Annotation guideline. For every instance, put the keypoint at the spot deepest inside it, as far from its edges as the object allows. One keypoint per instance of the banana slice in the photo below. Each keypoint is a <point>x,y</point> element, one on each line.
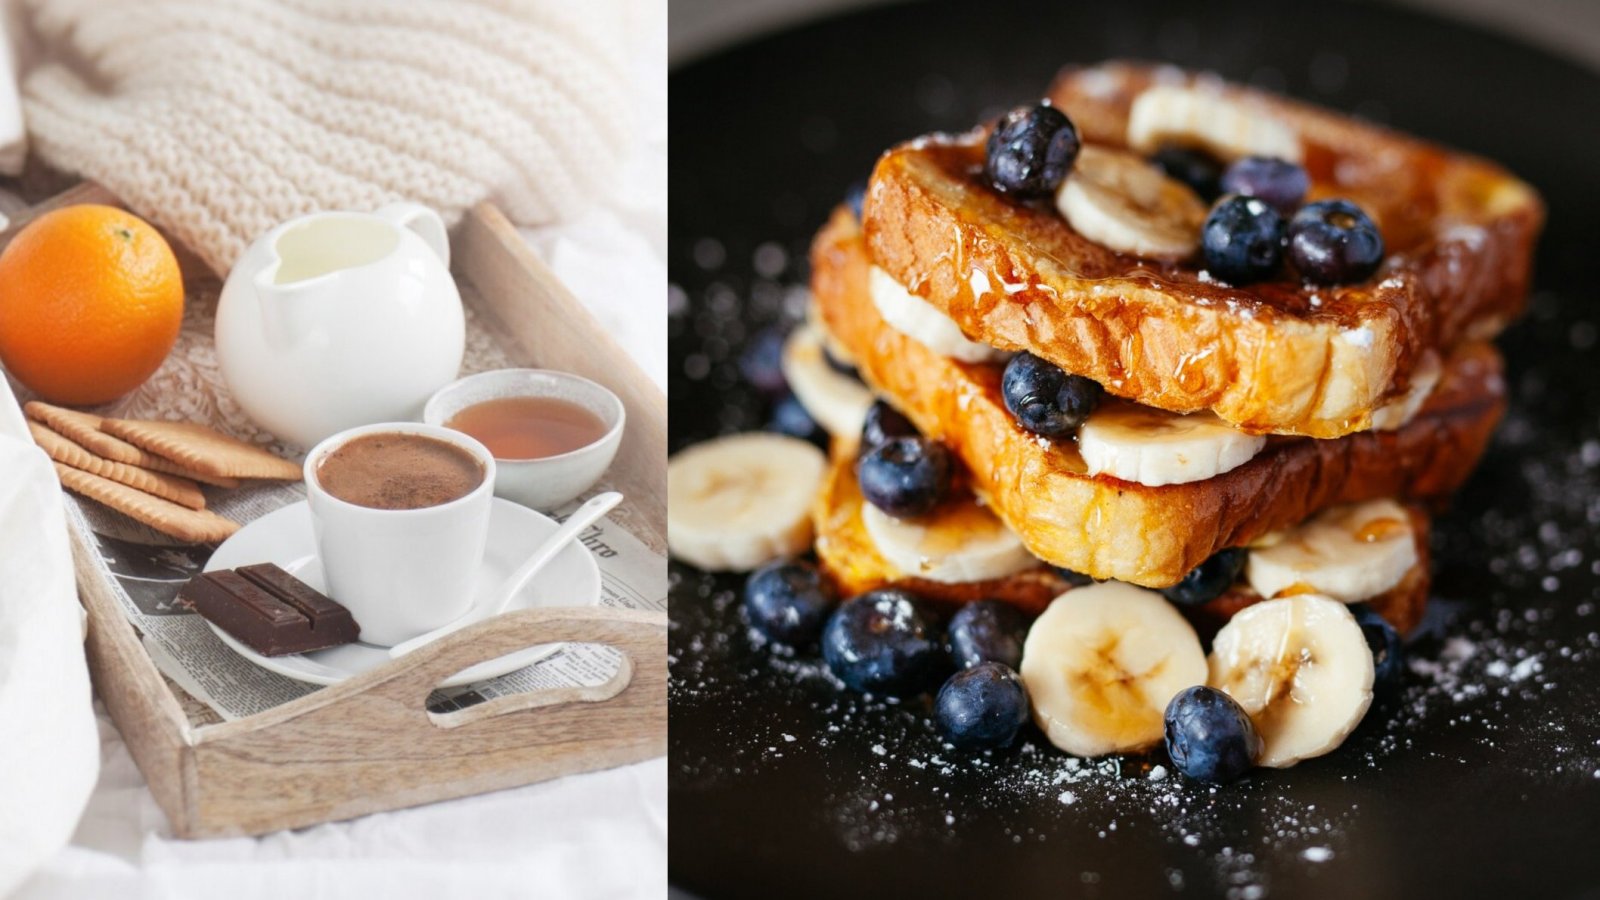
<point>736,502</point>
<point>1121,202</point>
<point>919,320</point>
<point>957,543</point>
<point>1227,128</point>
<point>1350,553</point>
<point>1302,670</point>
<point>838,402</point>
<point>1102,663</point>
<point>1155,447</point>
<point>1424,378</point>
<point>830,343</point>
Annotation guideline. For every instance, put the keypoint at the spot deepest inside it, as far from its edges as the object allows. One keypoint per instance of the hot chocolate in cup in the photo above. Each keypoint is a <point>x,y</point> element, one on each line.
<point>401,514</point>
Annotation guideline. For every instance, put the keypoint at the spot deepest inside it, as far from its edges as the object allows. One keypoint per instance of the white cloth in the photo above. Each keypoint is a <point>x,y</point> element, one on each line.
<point>47,745</point>
<point>603,834</point>
<point>614,256</point>
<point>599,835</point>
<point>219,120</point>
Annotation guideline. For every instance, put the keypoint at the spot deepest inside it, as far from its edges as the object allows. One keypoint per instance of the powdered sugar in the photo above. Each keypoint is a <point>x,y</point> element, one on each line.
<point>1499,681</point>
<point>1475,671</point>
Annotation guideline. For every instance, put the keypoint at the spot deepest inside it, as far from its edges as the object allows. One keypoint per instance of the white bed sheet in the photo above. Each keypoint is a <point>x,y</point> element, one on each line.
<point>602,834</point>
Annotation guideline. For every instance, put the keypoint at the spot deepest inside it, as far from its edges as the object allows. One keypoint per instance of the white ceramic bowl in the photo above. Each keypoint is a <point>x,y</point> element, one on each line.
<point>543,484</point>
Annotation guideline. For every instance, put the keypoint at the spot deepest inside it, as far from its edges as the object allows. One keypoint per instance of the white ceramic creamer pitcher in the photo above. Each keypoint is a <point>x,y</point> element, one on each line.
<point>339,319</point>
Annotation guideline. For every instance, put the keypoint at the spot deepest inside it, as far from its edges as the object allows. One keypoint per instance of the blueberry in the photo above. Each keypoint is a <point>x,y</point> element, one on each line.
<point>790,417</point>
<point>987,631</point>
<point>981,707</point>
<point>1441,618</point>
<point>839,365</point>
<point>1207,581</point>
<point>1281,183</point>
<point>905,477</point>
<point>1030,151</point>
<point>1196,168</point>
<point>762,362</point>
<point>855,197</point>
<point>1334,242</point>
<point>1209,736</point>
<point>1044,399</point>
<point>1075,579</point>
<point>788,602</point>
<point>1242,239</point>
<point>1388,656</point>
<point>883,642</point>
<point>882,423</point>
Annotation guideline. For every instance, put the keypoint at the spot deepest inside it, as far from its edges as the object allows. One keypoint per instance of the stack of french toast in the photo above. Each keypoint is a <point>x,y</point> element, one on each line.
<point>1170,364</point>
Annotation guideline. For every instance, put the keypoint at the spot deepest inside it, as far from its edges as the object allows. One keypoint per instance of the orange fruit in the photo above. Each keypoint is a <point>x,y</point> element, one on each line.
<point>91,301</point>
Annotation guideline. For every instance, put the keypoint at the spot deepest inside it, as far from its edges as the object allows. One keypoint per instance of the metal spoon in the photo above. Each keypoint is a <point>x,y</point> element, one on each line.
<point>492,604</point>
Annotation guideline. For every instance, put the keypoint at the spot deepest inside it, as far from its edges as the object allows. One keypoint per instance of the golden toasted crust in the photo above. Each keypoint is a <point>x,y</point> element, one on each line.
<point>1113,529</point>
<point>848,555</point>
<point>1275,357</point>
<point>1402,604</point>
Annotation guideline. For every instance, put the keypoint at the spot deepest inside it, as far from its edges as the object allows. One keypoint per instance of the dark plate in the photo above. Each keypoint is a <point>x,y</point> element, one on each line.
<point>1482,779</point>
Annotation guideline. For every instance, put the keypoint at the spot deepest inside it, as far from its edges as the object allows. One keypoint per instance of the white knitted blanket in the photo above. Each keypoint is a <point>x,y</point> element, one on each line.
<point>218,119</point>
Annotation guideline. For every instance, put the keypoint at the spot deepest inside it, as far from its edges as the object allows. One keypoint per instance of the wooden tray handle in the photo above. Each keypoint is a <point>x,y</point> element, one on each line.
<point>401,687</point>
<point>637,635</point>
<point>500,706</point>
<point>640,636</point>
<point>370,743</point>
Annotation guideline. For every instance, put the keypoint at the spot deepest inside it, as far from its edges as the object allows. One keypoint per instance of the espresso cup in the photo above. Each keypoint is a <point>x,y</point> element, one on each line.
<point>401,572</point>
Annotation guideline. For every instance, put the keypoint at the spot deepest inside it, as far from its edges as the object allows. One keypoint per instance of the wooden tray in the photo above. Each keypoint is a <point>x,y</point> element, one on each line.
<point>370,744</point>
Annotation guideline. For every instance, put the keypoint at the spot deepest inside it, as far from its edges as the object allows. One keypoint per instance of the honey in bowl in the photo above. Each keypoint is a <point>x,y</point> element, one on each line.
<point>515,428</point>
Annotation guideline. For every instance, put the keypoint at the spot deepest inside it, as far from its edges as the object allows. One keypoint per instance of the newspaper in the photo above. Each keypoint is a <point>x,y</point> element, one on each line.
<point>146,572</point>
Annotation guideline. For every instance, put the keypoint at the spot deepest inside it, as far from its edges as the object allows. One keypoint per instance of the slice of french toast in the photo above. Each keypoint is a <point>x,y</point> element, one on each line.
<point>1111,529</point>
<point>847,553</point>
<point>1280,356</point>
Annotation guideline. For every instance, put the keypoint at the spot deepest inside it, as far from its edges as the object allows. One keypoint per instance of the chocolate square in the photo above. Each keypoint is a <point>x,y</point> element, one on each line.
<point>269,610</point>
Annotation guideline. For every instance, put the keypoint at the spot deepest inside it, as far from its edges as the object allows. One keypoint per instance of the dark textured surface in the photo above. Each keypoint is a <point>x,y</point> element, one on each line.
<point>1481,779</point>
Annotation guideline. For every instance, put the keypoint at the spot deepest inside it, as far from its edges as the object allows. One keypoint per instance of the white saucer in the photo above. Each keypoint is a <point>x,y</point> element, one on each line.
<point>285,537</point>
